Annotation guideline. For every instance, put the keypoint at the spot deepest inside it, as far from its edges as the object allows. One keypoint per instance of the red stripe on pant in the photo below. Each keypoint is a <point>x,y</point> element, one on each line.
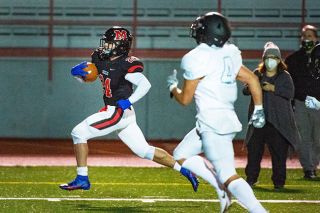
<point>113,120</point>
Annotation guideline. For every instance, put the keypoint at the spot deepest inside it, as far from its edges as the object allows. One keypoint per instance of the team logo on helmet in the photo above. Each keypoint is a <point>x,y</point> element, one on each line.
<point>121,39</point>
<point>120,35</point>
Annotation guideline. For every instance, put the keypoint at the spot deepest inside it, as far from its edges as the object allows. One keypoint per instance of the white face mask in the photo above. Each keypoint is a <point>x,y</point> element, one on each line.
<point>271,63</point>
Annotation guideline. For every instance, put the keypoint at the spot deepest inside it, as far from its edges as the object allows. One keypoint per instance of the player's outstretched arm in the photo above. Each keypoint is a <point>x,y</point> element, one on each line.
<point>185,95</point>
<point>249,78</point>
<point>246,76</point>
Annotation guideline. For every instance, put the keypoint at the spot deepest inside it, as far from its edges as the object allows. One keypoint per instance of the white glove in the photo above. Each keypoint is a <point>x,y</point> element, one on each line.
<point>172,81</point>
<point>257,118</point>
<point>312,103</point>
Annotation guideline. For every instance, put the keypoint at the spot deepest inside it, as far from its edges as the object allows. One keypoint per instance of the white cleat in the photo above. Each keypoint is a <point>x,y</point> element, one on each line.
<point>225,202</point>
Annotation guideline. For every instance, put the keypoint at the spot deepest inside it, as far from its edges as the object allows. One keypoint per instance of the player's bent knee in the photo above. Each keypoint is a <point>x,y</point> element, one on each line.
<point>146,152</point>
<point>225,169</point>
<point>149,154</point>
<point>230,179</point>
<point>176,155</point>
<point>76,137</point>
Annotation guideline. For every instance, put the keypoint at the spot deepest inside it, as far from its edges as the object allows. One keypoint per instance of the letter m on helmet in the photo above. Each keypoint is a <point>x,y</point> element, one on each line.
<point>120,35</point>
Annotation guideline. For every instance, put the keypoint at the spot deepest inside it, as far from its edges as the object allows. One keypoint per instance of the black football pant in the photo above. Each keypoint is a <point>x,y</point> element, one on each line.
<point>278,148</point>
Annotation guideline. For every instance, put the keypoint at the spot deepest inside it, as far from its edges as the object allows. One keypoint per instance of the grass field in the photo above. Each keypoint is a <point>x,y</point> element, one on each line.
<point>118,189</point>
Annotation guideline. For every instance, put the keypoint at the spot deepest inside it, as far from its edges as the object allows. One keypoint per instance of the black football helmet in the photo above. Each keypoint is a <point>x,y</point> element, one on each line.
<point>211,28</point>
<point>119,36</point>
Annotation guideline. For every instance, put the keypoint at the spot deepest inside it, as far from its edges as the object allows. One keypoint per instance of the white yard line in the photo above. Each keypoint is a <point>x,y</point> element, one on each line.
<point>288,186</point>
<point>149,200</point>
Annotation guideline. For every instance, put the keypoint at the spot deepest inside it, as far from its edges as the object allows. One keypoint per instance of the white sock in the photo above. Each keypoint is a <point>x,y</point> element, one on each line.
<point>244,193</point>
<point>83,171</point>
<point>197,165</point>
<point>177,167</point>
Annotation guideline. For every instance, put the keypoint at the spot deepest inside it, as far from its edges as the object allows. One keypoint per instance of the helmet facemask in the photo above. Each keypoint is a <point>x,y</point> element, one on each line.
<point>115,42</point>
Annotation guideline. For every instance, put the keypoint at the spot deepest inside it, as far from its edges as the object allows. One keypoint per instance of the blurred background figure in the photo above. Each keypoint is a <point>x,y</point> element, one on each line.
<point>280,131</point>
<point>306,80</point>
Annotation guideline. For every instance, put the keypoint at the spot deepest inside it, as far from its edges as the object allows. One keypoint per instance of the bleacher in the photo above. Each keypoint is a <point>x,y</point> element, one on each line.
<point>161,24</point>
<point>41,99</point>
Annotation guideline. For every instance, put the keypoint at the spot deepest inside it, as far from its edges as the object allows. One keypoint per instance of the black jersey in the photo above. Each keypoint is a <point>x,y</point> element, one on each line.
<point>112,76</point>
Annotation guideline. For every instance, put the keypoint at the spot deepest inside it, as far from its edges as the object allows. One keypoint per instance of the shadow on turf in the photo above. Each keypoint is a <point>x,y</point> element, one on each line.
<point>94,208</point>
<point>118,209</point>
<point>283,190</point>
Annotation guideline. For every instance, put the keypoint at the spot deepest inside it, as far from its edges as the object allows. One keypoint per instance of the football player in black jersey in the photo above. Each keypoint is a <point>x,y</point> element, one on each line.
<point>118,73</point>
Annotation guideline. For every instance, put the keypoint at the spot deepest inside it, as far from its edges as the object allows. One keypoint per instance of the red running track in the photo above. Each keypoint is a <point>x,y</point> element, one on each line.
<point>39,152</point>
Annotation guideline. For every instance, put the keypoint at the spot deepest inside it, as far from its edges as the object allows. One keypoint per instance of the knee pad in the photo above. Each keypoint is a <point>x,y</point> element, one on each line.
<point>180,155</point>
<point>149,154</point>
<point>146,152</point>
<point>76,137</point>
<point>177,155</point>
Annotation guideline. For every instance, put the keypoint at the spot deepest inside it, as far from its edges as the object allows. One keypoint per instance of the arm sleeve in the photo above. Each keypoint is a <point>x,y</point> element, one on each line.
<point>193,68</point>
<point>142,85</point>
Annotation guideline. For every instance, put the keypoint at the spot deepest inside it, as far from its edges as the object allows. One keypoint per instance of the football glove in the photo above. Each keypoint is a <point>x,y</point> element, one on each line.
<point>172,81</point>
<point>257,118</point>
<point>124,104</point>
<point>312,103</point>
<point>78,70</point>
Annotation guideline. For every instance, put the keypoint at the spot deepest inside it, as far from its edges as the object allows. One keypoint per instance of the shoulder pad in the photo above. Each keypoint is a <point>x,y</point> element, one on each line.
<point>95,56</point>
<point>133,64</point>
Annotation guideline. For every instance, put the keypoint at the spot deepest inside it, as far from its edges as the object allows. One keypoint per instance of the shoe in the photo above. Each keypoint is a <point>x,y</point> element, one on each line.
<point>81,182</point>
<point>225,202</point>
<point>191,177</point>
<point>251,183</point>
<point>278,187</point>
<point>309,175</point>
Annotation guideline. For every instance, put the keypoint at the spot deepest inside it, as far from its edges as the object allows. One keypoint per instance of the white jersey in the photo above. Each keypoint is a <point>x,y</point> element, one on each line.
<point>217,90</point>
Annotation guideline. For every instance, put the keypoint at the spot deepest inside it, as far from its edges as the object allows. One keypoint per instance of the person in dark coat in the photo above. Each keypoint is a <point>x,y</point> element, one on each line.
<point>306,79</point>
<point>280,132</point>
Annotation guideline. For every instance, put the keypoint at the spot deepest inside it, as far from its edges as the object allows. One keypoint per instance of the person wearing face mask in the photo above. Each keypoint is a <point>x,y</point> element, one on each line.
<point>280,133</point>
<point>306,79</point>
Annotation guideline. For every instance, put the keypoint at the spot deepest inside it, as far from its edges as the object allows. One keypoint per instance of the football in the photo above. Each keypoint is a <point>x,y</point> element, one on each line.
<point>92,71</point>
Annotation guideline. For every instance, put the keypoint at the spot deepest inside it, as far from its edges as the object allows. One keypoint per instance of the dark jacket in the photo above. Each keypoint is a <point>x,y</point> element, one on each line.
<point>277,106</point>
<point>306,79</point>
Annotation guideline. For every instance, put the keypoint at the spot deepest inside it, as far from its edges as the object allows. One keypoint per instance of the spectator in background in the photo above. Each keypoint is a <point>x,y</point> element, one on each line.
<point>306,80</point>
<point>280,131</point>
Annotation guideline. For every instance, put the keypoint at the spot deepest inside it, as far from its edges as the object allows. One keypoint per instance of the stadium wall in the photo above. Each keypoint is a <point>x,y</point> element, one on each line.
<point>39,98</point>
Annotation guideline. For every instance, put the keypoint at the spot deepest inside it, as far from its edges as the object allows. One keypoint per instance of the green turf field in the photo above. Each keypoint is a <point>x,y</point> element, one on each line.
<point>118,189</point>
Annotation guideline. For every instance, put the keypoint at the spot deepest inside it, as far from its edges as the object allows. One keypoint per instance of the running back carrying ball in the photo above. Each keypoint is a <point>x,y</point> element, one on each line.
<point>92,71</point>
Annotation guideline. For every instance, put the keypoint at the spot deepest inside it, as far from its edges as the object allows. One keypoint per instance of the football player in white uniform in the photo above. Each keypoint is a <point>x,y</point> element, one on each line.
<point>210,73</point>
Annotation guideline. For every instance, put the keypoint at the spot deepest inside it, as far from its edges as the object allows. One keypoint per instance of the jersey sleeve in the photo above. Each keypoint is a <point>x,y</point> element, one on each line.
<point>193,67</point>
<point>95,57</point>
<point>133,65</point>
<point>237,58</point>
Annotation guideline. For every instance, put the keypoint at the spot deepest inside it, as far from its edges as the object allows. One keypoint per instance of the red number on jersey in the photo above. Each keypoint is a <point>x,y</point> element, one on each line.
<point>107,87</point>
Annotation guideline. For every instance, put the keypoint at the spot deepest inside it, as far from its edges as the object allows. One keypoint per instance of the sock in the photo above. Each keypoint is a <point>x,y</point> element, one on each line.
<point>197,165</point>
<point>177,167</point>
<point>83,171</point>
<point>244,193</point>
